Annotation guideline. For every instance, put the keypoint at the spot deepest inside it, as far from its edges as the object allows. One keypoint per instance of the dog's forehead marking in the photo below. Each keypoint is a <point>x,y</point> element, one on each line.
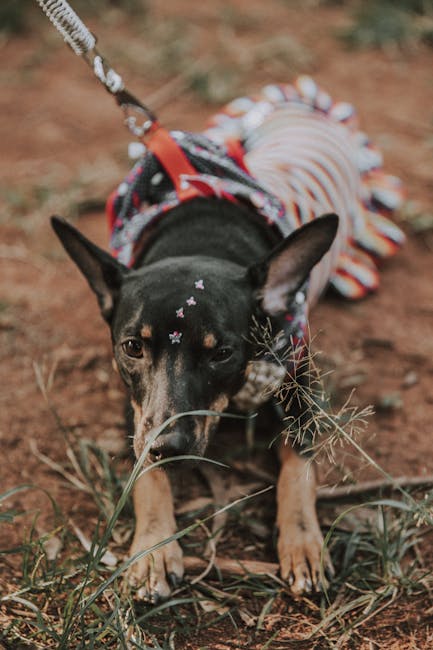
<point>209,341</point>
<point>146,331</point>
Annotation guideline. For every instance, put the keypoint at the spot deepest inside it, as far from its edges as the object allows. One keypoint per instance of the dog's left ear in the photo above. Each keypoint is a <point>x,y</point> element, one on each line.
<point>103,273</point>
<point>282,272</point>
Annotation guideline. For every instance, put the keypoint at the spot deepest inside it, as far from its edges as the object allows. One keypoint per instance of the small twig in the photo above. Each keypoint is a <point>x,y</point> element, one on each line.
<point>238,567</point>
<point>344,491</point>
<point>329,493</point>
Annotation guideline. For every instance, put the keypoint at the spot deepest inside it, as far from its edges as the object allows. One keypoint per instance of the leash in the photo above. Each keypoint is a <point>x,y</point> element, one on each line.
<point>138,118</point>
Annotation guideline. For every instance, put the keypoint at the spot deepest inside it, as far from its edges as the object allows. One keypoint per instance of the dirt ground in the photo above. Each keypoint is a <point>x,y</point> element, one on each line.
<point>62,142</point>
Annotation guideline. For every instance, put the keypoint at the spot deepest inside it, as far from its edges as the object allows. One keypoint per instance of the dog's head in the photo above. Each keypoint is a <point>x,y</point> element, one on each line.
<point>180,326</point>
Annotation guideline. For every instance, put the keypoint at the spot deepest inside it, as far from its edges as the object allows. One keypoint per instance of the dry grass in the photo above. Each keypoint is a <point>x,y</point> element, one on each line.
<point>64,588</point>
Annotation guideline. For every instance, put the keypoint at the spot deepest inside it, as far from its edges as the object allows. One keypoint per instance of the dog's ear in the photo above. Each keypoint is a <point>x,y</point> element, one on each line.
<point>103,273</point>
<point>282,272</point>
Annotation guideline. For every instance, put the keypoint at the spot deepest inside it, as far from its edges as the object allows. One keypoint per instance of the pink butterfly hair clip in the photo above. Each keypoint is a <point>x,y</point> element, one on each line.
<point>175,337</point>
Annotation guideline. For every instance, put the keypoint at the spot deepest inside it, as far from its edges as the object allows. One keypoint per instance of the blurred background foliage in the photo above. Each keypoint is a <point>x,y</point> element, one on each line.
<point>380,23</point>
<point>18,16</point>
<point>375,23</point>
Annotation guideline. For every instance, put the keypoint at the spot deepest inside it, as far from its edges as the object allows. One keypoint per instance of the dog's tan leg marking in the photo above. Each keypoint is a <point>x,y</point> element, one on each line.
<point>153,505</point>
<point>300,540</point>
<point>218,405</point>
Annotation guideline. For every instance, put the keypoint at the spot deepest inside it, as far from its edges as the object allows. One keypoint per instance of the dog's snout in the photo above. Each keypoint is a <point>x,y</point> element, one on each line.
<point>169,444</point>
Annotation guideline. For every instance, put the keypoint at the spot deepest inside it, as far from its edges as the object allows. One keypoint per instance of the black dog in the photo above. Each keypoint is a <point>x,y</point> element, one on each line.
<point>230,275</point>
<point>213,239</point>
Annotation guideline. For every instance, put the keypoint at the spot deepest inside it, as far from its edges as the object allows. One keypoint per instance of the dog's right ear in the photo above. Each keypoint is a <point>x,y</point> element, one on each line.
<point>103,273</point>
<point>281,273</point>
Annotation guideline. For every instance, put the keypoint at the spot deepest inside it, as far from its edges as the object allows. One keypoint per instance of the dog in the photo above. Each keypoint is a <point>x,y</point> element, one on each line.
<point>204,250</point>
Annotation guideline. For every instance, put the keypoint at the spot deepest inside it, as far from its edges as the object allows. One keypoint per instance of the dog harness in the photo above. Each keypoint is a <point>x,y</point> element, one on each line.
<point>311,159</point>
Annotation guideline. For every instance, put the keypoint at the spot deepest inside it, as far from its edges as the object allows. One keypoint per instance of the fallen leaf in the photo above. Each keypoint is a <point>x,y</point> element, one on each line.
<point>248,619</point>
<point>213,606</point>
<point>52,547</point>
<point>410,379</point>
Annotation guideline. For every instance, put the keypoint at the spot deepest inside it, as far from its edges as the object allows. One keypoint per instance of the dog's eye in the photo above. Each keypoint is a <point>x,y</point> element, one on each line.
<point>222,354</point>
<point>133,348</point>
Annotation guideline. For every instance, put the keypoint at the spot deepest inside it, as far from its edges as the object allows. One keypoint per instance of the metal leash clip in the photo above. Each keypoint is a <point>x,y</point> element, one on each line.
<point>132,121</point>
<point>134,111</point>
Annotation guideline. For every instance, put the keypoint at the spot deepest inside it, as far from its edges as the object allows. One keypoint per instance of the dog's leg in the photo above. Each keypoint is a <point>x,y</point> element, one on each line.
<point>300,540</point>
<point>153,505</point>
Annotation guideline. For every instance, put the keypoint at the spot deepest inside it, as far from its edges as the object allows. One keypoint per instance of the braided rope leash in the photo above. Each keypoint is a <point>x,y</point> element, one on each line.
<point>139,119</point>
<point>83,43</point>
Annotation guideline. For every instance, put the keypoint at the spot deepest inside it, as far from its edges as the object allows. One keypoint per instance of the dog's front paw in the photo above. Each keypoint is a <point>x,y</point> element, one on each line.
<point>300,556</point>
<point>155,574</point>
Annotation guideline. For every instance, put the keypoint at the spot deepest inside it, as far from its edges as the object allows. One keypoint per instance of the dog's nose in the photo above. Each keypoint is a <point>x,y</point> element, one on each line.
<point>170,444</point>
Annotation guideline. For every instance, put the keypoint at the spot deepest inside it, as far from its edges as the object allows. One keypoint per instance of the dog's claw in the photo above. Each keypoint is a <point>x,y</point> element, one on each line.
<point>153,595</point>
<point>144,595</point>
<point>155,573</point>
<point>319,583</point>
<point>301,562</point>
<point>308,583</point>
<point>302,582</point>
<point>173,580</point>
<point>329,569</point>
<point>155,598</point>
